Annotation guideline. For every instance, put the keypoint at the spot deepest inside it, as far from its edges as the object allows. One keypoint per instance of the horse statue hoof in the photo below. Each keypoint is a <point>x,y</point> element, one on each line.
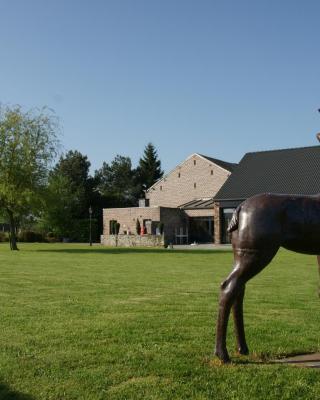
<point>223,357</point>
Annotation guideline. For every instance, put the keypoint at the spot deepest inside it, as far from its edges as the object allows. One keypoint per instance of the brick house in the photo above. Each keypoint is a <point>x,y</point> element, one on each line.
<point>291,171</point>
<point>182,200</point>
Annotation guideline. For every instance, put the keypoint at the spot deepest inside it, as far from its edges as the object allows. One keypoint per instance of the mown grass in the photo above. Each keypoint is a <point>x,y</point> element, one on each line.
<point>95,323</point>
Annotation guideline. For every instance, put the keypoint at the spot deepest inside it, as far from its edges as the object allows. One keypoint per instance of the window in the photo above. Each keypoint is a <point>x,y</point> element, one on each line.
<point>212,172</point>
<point>194,162</point>
<point>160,187</point>
<point>179,175</point>
<point>195,185</point>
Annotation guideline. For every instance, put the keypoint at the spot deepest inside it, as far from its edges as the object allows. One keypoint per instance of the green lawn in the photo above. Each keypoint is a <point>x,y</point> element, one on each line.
<point>95,323</point>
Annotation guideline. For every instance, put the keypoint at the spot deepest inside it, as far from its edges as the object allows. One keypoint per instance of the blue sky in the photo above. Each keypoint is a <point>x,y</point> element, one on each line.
<point>219,78</point>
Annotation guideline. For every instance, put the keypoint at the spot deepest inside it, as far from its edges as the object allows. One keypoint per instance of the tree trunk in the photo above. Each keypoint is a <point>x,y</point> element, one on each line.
<point>13,236</point>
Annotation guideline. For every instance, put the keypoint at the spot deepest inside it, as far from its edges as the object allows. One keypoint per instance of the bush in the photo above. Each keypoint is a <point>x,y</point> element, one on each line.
<point>112,227</point>
<point>30,237</point>
<point>161,227</point>
<point>138,227</point>
<point>4,237</point>
<point>51,237</point>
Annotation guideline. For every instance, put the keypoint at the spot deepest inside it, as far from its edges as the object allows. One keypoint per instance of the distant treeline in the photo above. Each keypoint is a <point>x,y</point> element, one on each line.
<point>72,191</point>
<point>39,202</point>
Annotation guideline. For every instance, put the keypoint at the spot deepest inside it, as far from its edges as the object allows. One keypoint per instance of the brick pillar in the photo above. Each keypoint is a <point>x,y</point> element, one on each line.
<point>217,223</point>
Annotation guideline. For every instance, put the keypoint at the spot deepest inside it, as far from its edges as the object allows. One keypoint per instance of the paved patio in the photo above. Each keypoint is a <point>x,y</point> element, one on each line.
<point>205,246</point>
<point>302,360</point>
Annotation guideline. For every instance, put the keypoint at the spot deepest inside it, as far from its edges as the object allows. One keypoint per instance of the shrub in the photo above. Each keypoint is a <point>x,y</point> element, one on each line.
<point>113,227</point>
<point>30,237</point>
<point>161,227</point>
<point>138,227</point>
<point>4,237</point>
<point>51,237</point>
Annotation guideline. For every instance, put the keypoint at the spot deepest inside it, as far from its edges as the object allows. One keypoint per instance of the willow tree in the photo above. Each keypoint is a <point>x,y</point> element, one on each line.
<point>28,145</point>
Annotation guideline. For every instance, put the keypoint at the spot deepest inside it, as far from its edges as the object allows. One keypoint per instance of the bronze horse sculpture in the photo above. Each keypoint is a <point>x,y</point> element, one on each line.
<point>259,227</point>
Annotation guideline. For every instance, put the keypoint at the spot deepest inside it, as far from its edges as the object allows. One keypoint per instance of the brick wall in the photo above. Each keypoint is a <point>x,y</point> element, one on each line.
<point>195,178</point>
<point>127,217</point>
<point>172,218</point>
<point>133,240</point>
<point>217,223</point>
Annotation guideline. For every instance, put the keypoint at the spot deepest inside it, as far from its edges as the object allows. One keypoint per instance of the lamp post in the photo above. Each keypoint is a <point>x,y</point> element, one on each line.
<point>90,229</point>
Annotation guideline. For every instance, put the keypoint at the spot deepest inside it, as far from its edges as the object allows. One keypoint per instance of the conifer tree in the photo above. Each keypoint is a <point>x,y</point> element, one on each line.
<point>149,168</point>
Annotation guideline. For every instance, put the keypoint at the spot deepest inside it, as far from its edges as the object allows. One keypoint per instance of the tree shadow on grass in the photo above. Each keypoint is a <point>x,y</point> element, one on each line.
<point>131,250</point>
<point>6,393</point>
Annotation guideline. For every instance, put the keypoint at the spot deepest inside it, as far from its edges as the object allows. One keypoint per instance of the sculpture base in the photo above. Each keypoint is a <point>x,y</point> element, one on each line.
<point>302,360</point>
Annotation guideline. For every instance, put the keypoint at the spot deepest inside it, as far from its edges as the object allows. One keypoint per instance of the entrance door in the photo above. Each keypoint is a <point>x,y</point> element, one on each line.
<point>201,229</point>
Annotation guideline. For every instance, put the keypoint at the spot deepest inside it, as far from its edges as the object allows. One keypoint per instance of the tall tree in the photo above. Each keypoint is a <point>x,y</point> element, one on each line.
<point>116,183</point>
<point>71,191</point>
<point>149,168</point>
<point>74,168</point>
<point>28,145</point>
<point>61,202</point>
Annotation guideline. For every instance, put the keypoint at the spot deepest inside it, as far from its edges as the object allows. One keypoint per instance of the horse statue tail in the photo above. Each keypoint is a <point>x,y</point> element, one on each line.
<point>233,225</point>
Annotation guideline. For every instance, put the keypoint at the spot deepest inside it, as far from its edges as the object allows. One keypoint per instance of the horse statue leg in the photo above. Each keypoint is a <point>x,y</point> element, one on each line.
<point>231,289</point>
<point>247,264</point>
<point>237,309</point>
